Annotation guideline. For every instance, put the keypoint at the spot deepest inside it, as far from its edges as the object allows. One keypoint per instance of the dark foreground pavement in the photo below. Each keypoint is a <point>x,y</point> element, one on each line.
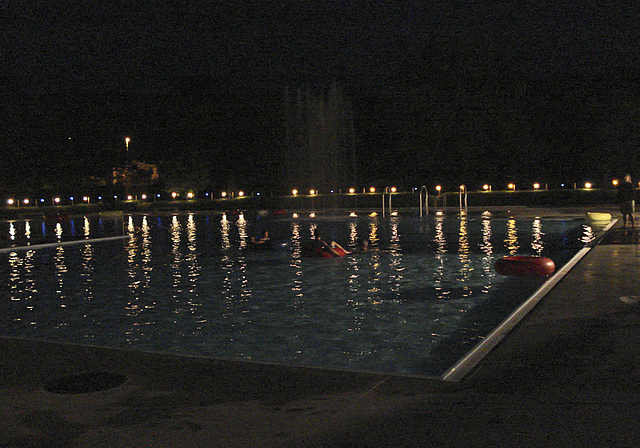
<point>567,375</point>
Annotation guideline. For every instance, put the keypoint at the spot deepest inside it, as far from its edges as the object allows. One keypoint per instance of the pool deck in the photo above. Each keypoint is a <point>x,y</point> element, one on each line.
<point>567,375</point>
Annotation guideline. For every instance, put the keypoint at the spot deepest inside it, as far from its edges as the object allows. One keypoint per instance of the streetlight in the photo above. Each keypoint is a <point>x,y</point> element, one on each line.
<point>126,143</point>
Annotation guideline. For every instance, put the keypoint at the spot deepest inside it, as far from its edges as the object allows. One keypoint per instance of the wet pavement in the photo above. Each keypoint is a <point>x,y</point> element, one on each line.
<point>566,375</point>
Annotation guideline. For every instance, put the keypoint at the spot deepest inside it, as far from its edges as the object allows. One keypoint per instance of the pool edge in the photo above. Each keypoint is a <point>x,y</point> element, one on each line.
<point>472,358</point>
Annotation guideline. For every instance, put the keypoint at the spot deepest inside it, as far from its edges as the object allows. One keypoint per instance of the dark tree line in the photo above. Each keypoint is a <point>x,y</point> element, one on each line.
<point>465,115</point>
<point>452,112</point>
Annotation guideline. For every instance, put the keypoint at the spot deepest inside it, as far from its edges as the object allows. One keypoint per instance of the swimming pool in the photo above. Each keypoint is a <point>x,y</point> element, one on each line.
<point>188,283</point>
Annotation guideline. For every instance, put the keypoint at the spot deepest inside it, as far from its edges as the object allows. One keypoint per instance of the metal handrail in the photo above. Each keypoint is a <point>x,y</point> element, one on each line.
<point>463,195</point>
<point>426,200</point>
<point>384,193</point>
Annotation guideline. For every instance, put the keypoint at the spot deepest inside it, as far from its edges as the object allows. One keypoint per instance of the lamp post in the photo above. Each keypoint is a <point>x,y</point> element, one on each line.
<point>126,143</point>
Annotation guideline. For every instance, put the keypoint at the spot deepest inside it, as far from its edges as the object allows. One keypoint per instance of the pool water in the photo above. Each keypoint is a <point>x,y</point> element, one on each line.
<point>423,296</point>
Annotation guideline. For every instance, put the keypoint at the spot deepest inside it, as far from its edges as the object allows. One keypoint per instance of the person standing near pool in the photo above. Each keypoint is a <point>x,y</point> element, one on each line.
<point>627,201</point>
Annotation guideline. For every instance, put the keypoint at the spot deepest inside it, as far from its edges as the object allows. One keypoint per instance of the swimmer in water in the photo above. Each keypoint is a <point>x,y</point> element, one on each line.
<point>261,240</point>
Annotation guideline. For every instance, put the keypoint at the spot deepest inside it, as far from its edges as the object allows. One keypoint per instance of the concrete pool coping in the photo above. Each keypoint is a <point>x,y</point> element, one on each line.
<point>566,374</point>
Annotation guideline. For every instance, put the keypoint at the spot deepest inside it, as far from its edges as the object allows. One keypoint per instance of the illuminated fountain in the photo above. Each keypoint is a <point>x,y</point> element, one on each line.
<point>320,141</point>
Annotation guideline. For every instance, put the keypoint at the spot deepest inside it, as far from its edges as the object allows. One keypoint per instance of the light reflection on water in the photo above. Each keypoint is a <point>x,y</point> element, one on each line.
<point>189,283</point>
<point>511,240</point>
<point>537,245</point>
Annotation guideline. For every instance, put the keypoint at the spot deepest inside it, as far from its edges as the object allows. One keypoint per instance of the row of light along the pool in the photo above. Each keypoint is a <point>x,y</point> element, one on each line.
<point>58,200</point>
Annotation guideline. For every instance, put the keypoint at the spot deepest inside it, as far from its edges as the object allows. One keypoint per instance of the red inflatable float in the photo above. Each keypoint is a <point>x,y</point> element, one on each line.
<point>323,252</point>
<point>525,266</point>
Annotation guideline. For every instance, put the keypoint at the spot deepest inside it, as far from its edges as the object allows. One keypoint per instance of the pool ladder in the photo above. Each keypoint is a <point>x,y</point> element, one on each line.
<point>424,200</point>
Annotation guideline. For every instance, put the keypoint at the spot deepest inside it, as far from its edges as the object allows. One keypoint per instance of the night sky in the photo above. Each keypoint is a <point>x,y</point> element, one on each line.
<point>133,49</point>
<point>124,44</point>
